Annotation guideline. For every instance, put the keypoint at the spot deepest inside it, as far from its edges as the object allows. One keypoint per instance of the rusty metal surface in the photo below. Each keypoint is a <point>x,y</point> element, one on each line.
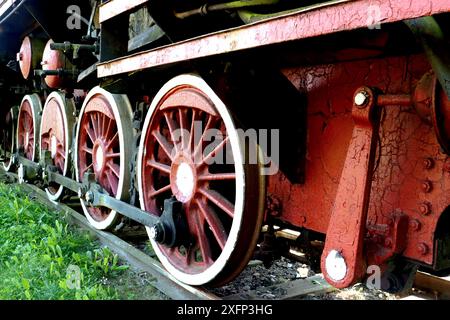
<point>113,8</point>
<point>340,17</point>
<point>410,176</point>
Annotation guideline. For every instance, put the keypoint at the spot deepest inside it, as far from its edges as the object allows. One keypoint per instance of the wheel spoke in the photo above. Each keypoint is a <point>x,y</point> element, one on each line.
<point>217,176</point>
<point>108,128</point>
<point>93,124</point>
<point>162,141</point>
<point>61,153</point>
<point>199,144</point>
<point>99,124</point>
<point>112,142</point>
<point>112,180</point>
<point>214,222</point>
<point>159,191</point>
<point>219,147</point>
<point>219,201</point>
<point>159,166</point>
<point>112,155</point>
<point>86,149</point>
<point>205,248</point>
<point>192,133</point>
<point>171,125</point>
<point>91,134</point>
<point>114,168</point>
<point>83,171</point>
<point>183,127</point>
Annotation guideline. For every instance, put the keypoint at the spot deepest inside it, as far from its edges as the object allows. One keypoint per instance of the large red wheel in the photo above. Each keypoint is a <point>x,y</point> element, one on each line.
<point>9,138</point>
<point>223,202</point>
<point>28,126</point>
<point>57,124</point>
<point>104,147</point>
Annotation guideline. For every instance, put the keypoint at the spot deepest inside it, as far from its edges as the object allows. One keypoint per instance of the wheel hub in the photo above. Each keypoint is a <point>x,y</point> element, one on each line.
<point>53,146</point>
<point>99,157</point>
<point>183,179</point>
<point>27,138</point>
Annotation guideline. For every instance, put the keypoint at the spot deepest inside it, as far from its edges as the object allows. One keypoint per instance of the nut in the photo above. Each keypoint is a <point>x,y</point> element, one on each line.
<point>361,98</point>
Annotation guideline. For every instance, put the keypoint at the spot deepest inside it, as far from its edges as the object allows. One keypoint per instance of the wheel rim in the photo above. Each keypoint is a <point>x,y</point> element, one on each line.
<point>214,196</point>
<point>104,139</point>
<point>28,120</point>
<point>9,138</point>
<point>55,136</point>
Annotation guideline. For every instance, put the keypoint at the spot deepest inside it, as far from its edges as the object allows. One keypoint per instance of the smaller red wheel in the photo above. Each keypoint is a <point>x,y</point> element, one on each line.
<point>9,138</point>
<point>57,125</point>
<point>104,147</point>
<point>28,126</point>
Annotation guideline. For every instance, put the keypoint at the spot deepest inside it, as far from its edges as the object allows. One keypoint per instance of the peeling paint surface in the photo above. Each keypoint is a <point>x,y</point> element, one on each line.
<point>405,141</point>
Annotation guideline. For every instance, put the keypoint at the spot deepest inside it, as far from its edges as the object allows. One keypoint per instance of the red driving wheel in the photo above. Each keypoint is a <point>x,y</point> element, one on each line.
<point>190,149</point>
<point>57,124</point>
<point>103,147</point>
<point>28,125</point>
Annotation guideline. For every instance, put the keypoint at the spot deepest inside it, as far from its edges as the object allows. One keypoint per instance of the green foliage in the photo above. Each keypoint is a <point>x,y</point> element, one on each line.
<point>37,250</point>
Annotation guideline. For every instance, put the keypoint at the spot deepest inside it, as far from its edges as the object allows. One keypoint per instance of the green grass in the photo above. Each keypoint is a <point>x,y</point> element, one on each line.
<point>38,250</point>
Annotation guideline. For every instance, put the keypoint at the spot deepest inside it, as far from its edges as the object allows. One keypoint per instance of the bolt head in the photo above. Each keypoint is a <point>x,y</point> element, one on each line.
<point>422,248</point>
<point>425,208</point>
<point>361,98</point>
<point>427,186</point>
<point>335,265</point>
<point>428,163</point>
<point>414,225</point>
<point>89,197</point>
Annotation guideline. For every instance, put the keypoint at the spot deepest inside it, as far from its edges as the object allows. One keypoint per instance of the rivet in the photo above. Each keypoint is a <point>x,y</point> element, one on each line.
<point>425,208</point>
<point>427,186</point>
<point>414,224</point>
<point>447,165</point>
<point>422,248</point>
<point>428,163</point>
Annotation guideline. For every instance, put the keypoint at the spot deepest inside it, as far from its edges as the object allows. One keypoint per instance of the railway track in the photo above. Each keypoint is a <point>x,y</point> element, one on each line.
<point>426,286</point>
<point>164,281</point>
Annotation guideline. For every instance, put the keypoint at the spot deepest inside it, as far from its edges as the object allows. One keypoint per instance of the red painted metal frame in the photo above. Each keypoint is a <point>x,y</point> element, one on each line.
<point>114,8</point>
<point>346,228</point>
<point>411,179</point>
<point>332,19</point>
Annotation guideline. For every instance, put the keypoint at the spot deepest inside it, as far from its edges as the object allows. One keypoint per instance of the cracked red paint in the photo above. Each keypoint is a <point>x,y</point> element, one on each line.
<point>405,140</point>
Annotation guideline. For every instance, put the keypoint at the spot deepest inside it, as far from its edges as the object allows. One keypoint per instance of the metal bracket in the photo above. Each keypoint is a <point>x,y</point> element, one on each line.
<point>342,260</point>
